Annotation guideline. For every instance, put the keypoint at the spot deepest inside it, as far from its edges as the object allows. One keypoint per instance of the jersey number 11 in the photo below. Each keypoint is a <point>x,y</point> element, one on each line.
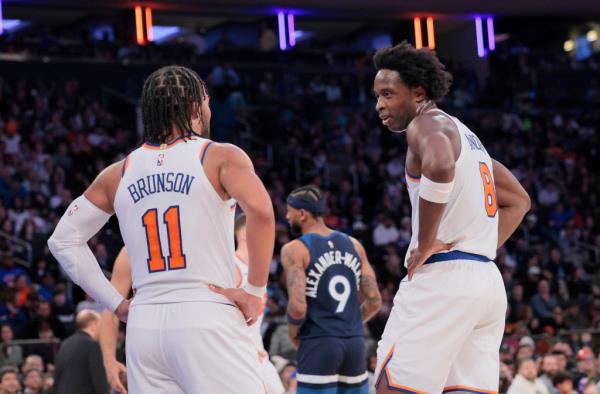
<point>157,262</point>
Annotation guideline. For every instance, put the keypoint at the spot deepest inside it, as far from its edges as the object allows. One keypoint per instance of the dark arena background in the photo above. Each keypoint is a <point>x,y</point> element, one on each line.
<point>291,83</point>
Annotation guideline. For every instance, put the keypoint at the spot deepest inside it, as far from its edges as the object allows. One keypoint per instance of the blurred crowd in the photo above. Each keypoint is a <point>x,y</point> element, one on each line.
<point>320,128</point>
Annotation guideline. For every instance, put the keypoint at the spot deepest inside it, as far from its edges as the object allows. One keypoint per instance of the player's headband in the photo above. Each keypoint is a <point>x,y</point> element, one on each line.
<point>316,207</point>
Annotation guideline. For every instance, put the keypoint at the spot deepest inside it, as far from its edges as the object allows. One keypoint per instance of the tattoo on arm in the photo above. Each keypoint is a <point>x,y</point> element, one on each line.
<point>372,299</point>
<point>296,280</point>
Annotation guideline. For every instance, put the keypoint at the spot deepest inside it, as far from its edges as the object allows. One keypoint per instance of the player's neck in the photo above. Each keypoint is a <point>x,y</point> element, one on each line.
<point>317,227</point>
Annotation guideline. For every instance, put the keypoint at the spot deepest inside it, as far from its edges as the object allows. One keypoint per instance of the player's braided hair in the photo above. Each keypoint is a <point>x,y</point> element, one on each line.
<point>417,67</point>
<point>310,193</point>
<point>167,101</point>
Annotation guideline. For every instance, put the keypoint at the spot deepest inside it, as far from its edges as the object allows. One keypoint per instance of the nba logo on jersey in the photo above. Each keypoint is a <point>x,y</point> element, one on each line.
<point>73,210</point>
<point>160,160</point>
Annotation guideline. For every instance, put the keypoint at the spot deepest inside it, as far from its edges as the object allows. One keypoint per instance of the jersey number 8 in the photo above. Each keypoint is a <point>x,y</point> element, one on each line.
<point>489,190</point>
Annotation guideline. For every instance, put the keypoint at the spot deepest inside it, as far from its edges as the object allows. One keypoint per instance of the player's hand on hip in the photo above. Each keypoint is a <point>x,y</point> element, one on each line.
<point>418,256</point>
<point>114,372</point>
<point>122,311</point>
<point>249,304</point>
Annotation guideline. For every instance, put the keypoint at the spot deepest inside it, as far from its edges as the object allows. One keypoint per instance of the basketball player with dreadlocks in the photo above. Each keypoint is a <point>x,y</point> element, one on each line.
<point>444,331</point>
<point>175,199</point>
<point>328,274</point>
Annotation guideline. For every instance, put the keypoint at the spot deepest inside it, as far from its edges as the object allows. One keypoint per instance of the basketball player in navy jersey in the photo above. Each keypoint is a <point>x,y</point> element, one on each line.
<point>328,273</point>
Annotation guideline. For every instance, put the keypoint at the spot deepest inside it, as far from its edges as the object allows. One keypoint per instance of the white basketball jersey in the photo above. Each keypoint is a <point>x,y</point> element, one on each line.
<point>241,280</point>
<point>470,219</point>
<point>177,230</point>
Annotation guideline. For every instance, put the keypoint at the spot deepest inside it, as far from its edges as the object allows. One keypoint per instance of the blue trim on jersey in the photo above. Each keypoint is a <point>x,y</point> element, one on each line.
<point>305,239</point>
<point>124,166</point>
<point>174,141</point>
<point>457,255</point>
<point>413,176</point>
<point>464,390</point>
<point>204,153</point>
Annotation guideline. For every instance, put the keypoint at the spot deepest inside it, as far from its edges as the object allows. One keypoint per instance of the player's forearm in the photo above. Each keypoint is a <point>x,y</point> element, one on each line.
<point>371,296</point>
<point>369,308</point>
<point>508,221</point>
<point>68,245</point>
<point>430,216</point>
<point>260,224</point>
<point>296,310</point>
<point>109,331</point>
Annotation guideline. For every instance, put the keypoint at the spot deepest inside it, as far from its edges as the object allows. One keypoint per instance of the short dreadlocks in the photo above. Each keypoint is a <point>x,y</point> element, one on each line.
<point>167,100</point>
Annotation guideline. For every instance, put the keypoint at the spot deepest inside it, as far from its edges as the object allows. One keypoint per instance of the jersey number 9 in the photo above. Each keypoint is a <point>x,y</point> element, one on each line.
<point>340,297</point>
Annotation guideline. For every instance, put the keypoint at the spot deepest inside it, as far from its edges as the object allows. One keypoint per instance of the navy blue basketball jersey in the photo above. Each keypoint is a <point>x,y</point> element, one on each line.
<point>332,287</point>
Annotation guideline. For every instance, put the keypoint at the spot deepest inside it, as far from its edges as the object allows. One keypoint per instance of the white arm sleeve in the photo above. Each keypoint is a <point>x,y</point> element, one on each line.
<point>68,244</point>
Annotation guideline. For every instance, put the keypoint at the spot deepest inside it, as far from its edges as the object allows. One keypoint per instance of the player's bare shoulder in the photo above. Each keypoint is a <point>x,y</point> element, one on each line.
<point>221,159</point>
<point>294,252</point>
<point>430,127</point>
<point>103,189</point>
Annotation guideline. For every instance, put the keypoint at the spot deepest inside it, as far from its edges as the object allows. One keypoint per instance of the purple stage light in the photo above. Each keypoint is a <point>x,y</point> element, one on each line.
<point>479,32</point>
<point>490,33</point>
<point>291,30</point>
<point>281,25</point>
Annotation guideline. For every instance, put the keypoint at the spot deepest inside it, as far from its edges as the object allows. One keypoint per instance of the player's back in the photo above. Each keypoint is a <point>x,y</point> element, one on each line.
<point>332,287</point>
<point>470,219</point>
<point>177,229</point>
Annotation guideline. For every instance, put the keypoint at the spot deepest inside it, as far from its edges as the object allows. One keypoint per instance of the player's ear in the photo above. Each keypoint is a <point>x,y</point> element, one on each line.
<point>195,110</point>
<point>419,94</point>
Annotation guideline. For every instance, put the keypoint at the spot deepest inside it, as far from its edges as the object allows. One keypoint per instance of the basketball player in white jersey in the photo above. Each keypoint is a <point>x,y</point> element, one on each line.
<point>121,280</point>
<point>444,331</point>
<point>175,199</point>
<point>271,378</point>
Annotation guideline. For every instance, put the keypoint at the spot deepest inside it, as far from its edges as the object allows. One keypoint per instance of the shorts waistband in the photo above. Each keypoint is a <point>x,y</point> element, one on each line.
<point>457,255</point>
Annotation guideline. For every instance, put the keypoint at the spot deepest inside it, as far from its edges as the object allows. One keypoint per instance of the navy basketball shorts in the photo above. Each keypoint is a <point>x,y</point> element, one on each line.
<point>332,365</point>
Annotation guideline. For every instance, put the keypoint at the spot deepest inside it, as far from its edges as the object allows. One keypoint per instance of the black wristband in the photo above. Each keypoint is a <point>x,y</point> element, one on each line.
<point>295,322</point>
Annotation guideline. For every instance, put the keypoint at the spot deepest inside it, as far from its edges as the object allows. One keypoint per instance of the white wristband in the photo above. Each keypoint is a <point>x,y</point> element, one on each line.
<point>255,290</point>
<point>434,191</point>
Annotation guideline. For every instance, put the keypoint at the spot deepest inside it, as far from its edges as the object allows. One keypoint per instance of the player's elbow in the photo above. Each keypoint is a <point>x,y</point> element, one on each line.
<point>54,244</point>
<point>374,305</point>
<point>522,201</point>
<point>262,213</point>
<point>525,202</point>
<point>296,310</point>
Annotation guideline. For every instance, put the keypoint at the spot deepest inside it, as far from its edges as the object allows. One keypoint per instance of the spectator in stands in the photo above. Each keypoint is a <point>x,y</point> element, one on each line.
<point>89,304</point>
<point>9,381</point>
<point>267,39</point>
<point>526,381</point>
<point>586,363</point>
<point>591,388</point>
<point>563,383</point>
<point>549,371</point>
<point>9,271</point>
<point>10,354</point>
<point>44,316</point>
<point>33,361</point>
<point>79,368</point>
<point>33,382</point>
<point>385,232</point>
<point>63,311</point>
<point>280,344</point>
<point>288,378</point>
<point>543,302</point>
